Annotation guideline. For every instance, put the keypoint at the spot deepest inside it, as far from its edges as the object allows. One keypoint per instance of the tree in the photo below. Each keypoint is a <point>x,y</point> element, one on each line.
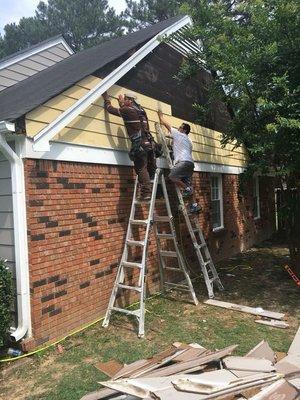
<point>84,23</point>
<point>140,14</point>
<point>252,48</point>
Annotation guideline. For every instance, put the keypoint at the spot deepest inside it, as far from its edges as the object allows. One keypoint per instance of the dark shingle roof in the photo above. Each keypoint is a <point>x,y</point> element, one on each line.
<point>23,97</point>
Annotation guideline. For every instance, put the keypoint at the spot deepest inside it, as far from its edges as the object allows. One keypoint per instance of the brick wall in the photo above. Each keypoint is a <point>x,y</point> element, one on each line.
<point>77,218</point>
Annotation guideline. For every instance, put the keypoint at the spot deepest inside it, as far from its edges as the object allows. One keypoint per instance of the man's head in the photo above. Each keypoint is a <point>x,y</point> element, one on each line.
<point>184,128</point>
<point>129,98</point>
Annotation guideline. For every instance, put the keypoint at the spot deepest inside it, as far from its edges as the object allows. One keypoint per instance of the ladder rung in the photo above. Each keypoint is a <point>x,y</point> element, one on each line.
<point>135,242</point>
<point>165,253</point>
<point>177,286</point>
<point>128,312</point>
<point>138,221</point>
<point>162,218</point>
<point>142,201</point>
<point>173,269</point>
<point>135,288</point>
<point>165,236</point>
<point>130,264</point>
<point>200,246</point>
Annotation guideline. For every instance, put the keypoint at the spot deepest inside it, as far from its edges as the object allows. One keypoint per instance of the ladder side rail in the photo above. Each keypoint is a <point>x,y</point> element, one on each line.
<point>143,271</point>
<point>120,272</point>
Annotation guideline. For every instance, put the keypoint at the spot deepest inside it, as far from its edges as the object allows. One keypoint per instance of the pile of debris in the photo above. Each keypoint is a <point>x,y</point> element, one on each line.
<point>191,372</point>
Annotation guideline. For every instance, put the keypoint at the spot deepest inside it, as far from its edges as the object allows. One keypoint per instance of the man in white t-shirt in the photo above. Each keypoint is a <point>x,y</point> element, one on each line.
<point>183,168</point>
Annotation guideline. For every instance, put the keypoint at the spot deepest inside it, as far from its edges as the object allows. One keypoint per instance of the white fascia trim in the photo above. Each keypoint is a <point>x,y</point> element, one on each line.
<point>20,233</point>
<point>42,138</point>
<point>36,50</point>
<point>86,154</point>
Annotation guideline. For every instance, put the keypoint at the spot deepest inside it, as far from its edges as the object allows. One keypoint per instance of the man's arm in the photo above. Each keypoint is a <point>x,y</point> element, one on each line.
<point>163,121</point>
<point>108,107</point>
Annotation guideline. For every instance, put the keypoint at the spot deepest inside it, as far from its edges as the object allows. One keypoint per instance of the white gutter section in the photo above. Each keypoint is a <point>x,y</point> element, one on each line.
<point>41,140</point>
<point>20,232</point>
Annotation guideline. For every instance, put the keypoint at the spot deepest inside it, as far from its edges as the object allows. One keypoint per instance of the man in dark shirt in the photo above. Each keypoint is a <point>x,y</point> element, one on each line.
<point>137,126</point>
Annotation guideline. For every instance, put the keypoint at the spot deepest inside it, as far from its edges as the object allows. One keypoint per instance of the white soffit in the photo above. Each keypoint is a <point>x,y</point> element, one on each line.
<point>41,140</point>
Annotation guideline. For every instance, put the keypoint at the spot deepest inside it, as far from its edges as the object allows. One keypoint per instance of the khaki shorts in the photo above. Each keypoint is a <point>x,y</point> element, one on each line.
<point>183,169</point>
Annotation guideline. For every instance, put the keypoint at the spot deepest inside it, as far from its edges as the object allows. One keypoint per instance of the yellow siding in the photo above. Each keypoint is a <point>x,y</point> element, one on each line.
<point>95,127</point>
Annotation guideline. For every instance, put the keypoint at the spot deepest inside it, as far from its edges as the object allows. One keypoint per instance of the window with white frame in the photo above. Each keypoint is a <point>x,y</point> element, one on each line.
<point>256,205</point>
<point>217,201</point>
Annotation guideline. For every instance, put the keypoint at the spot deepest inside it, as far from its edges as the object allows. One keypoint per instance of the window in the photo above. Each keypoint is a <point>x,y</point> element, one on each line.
<point>217,202</point>
<point>256,206</point>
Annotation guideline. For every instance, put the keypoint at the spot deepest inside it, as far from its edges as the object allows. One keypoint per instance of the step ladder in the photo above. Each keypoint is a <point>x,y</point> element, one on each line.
<point>208,268</point>
<point>178,262</point>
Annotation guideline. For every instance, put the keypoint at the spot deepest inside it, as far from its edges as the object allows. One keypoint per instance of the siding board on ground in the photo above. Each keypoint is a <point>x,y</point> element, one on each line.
<point>95,127</point>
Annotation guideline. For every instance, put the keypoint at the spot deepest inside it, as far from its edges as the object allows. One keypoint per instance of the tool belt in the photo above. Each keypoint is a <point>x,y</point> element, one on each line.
<point>140,145</point>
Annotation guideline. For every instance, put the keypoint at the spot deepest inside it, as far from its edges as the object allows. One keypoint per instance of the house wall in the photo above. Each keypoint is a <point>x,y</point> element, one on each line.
<point>95,127</point>
<point>30,65</point>
<point>77,218</point>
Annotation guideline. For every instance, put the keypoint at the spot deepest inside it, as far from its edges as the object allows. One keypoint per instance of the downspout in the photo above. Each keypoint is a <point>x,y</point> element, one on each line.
<point>20,233</point>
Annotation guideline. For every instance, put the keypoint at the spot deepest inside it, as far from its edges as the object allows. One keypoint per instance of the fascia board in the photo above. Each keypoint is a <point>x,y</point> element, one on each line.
<point>41,140</point>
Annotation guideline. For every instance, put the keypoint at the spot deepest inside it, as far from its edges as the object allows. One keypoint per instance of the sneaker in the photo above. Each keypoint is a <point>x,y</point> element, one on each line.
<point>194,208</point>
<point>188,191</point>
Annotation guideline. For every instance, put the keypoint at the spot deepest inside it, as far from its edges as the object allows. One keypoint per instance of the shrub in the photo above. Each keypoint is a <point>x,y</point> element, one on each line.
<point>6,296</point>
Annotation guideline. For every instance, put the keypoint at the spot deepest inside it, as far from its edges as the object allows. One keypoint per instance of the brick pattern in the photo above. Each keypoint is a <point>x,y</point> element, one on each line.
<point>77,218</point>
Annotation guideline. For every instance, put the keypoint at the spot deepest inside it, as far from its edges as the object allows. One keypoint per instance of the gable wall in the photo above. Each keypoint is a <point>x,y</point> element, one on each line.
<point>96,128</point>
<point>31,65</point>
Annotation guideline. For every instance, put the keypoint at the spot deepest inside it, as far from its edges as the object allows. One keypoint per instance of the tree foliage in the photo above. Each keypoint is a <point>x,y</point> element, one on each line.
<point>6,296</point>
<point>253,49</point>
<point>84,23</point>
<point>141,13</point>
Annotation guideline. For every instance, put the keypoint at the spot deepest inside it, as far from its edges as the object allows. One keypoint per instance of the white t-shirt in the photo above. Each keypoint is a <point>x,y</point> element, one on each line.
<point>182,146</point>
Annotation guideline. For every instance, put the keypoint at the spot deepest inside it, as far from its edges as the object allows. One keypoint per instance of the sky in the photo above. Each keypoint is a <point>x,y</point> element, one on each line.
<point>13,10</point>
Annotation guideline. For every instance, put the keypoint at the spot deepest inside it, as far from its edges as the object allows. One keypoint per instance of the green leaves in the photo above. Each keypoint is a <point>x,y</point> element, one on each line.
<point>6,297</point>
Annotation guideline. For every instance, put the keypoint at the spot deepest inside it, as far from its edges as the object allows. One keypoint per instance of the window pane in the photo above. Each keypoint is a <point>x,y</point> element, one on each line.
<point>216,214</point>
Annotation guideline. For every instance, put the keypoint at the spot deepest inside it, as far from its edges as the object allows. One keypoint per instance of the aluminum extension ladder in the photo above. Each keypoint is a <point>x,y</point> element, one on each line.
<point>208,268</point>
<point>141,267</point>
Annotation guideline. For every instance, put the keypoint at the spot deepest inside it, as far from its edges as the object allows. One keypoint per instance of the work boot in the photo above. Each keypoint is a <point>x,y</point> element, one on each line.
<point>194,208</point>
<point>187,192</point>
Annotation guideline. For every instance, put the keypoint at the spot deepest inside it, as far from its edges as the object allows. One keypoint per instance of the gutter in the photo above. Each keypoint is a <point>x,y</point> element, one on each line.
<point>20,232</point>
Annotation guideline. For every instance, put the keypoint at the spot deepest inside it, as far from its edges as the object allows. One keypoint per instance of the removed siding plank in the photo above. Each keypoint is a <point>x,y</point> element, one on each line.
<point>109,368</point>
<point>295,346</point>
<point>193,365</point>
<point>262,350</point>
<point>273,323</point>
<point>280,390</point>
<point>248,364</point>
<point>245,309</point>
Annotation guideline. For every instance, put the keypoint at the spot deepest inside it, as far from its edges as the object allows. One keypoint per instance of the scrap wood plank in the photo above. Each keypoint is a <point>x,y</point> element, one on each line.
<point>104,393</point>
<point>262,350</point>
<point>245,309</point>
<point>193,365</point>
<point>248,364</point>
<point>141,367</point>
<point>277,390</point>
<point>273,323</point>
<point>109,368</point>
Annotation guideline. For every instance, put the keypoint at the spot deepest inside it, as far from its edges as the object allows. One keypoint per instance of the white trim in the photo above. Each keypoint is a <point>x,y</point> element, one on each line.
<point>79,153</point>
<point>20,233</point>
<point>220,189</point>
<point>42,138</point>
<point>36,50</point>
<point>256,191</point>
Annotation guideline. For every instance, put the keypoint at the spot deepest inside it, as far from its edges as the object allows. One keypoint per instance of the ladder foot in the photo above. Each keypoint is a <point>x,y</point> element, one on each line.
<point>105,324</point>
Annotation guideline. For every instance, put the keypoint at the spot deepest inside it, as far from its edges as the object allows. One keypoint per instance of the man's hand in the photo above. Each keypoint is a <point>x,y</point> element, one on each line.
<point>105,96</point>
<point>121,100</point>
<point>163,121</point>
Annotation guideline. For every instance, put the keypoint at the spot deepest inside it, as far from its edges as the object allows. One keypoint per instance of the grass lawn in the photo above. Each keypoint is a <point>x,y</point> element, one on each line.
<point>259,280</point>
